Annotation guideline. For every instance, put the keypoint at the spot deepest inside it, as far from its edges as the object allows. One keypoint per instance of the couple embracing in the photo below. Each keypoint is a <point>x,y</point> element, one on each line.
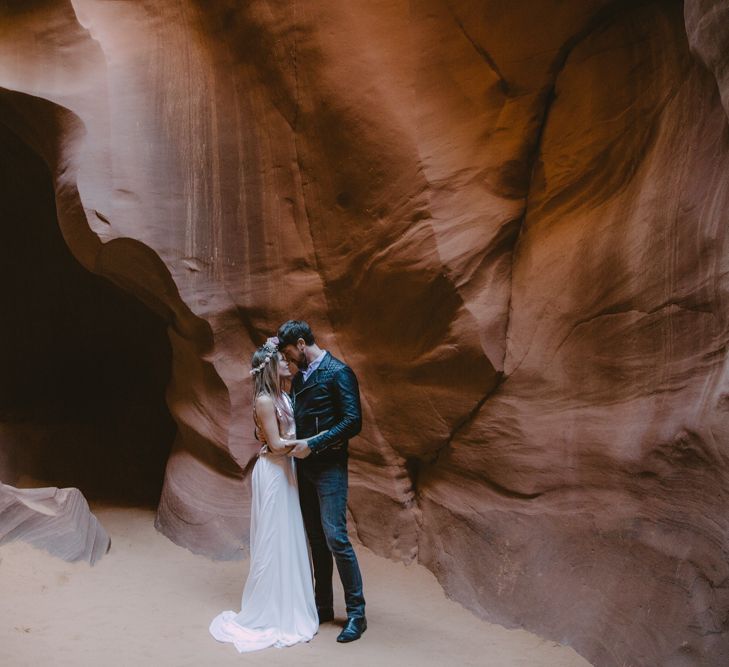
<point>299,485</point>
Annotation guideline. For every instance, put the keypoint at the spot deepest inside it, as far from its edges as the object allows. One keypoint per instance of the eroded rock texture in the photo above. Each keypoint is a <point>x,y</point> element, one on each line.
<point>509,218</point>
<point>57,520</point>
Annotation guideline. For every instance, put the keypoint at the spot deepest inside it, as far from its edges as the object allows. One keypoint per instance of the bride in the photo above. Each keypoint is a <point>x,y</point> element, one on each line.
<point>278,606</point>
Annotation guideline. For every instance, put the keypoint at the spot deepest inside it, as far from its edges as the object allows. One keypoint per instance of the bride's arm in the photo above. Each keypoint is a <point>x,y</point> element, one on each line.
<point>300,441</point>
<point>267,416</point>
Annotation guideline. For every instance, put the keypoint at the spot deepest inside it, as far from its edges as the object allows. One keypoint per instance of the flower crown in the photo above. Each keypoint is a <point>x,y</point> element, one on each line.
<point>271,348</point>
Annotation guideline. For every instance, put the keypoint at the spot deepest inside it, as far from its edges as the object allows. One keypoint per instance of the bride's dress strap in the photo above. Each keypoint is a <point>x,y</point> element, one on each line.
<point>289,411</point>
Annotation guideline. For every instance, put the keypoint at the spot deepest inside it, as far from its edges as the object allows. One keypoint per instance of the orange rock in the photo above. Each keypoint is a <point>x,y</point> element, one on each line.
<point>508,218</point>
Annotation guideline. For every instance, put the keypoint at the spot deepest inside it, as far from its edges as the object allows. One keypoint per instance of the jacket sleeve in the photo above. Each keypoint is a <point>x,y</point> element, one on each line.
<point>346,396</point>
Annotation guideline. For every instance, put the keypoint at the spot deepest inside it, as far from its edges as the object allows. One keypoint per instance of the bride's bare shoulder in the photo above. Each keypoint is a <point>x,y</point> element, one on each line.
<point>263,401</point>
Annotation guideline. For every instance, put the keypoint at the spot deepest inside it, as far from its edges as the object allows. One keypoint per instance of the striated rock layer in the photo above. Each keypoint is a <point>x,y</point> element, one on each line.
<point>507,217</point>
<point>57,520</point>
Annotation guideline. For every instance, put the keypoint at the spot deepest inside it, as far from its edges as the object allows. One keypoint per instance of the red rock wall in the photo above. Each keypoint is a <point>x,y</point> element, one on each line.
<point>508,218</point>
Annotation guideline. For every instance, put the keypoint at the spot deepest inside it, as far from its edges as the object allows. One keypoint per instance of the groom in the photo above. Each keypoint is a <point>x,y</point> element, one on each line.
<point>325,395</point>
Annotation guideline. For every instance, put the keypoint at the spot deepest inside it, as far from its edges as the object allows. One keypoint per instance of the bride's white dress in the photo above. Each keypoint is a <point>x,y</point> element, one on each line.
<point>278,606</point>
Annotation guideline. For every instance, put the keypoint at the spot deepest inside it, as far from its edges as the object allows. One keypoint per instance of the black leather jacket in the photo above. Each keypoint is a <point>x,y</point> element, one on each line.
<point>328,400</point>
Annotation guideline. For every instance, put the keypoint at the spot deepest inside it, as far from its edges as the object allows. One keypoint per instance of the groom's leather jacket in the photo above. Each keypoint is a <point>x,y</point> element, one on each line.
<point>327,401</point>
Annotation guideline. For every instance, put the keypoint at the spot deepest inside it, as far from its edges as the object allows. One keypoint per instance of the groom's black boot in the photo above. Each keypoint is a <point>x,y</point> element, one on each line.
<point>353,630</point>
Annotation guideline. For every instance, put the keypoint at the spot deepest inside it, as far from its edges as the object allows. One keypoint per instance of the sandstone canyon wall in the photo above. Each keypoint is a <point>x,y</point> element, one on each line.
<point>509,218</point>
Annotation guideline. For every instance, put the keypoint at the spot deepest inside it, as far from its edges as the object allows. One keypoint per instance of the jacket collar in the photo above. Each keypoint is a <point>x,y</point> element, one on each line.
<point>314,377</point>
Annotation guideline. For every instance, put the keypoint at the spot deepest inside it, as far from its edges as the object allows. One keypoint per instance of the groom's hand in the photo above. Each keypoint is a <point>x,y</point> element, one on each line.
<point>301,450</point>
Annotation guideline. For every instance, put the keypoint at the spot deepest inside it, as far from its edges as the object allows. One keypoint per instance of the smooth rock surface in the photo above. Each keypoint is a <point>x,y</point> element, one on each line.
<point>509,218</point>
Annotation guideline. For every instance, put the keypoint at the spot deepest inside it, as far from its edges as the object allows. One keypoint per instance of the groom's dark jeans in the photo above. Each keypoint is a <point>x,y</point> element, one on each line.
<point>323,496</point>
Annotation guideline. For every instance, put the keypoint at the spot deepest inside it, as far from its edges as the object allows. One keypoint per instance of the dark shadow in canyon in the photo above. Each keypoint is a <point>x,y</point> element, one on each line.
<point>83,365</point>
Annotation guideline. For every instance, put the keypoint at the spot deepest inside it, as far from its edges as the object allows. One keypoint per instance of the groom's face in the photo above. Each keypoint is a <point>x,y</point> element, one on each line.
<point>294,354</point>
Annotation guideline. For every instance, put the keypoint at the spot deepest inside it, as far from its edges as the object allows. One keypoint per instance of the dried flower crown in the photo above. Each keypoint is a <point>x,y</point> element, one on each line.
<point>271,348</point>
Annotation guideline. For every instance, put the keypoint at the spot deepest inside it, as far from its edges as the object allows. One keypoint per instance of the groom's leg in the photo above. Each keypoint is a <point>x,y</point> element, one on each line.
<point>331,484</point>
<point>320,554</point>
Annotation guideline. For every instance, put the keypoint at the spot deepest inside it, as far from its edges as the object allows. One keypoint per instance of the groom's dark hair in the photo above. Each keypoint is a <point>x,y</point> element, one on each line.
<point>289,332</point>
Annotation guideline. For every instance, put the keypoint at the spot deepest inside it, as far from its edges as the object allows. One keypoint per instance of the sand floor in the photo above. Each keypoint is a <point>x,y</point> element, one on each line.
<point>149,602</point>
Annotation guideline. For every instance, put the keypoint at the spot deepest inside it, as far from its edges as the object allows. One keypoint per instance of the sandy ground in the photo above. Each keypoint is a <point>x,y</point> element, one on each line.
<point>149,602</point>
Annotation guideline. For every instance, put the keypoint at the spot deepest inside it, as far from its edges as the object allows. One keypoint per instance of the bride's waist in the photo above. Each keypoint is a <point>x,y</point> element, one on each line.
<point>267,452</point>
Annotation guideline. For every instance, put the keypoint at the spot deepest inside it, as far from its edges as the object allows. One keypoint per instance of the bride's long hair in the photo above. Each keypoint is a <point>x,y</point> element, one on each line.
<point>264,369</point>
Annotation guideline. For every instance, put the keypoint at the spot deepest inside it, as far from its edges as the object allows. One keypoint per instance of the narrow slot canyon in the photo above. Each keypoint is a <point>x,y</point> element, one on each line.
<point>508,219</point>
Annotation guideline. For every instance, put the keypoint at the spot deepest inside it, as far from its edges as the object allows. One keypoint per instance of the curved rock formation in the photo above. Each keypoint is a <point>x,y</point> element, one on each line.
<point>57,520</point>
<point>707,25</point>
<point>507,217</point>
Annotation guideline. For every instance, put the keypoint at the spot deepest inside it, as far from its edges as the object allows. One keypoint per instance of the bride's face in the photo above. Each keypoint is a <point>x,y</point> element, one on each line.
<point>284,372</point>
